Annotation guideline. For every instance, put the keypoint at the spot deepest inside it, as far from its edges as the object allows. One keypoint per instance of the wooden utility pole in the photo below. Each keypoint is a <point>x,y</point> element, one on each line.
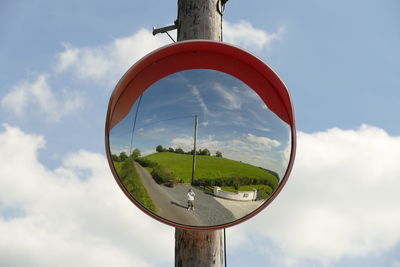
<point>196,122</point>
<point>199,19</point>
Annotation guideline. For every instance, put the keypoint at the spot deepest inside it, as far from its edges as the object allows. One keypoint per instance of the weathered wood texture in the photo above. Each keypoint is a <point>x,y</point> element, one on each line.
<point>199,19</point>
<point>199,248</point>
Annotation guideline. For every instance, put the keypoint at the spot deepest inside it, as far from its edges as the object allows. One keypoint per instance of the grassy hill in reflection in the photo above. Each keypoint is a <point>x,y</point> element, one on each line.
<point>211,171</point>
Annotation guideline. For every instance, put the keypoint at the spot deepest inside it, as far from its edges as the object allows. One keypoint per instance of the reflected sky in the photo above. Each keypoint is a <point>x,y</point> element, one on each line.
<point>233,119</point>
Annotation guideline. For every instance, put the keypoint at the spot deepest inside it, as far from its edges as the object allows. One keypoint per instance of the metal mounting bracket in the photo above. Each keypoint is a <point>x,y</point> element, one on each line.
<point>166,29</point>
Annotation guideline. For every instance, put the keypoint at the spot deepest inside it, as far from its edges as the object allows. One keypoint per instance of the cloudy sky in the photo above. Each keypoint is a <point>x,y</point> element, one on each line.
<point>60,205</point>
<point>232,119</point>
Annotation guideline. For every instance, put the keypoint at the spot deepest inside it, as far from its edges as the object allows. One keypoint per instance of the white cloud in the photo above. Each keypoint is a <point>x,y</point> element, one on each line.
<point>199,99</point>
<point>74,215</point>
<point>341,200</point>
<point>107,63</point>
<point>155,132</point>
<point>67,58</point>
<point>16,100</point>
<point>104,64</point>
<point>266,142</point>
<point>232,99</point>
<point>39,97</point>
<point>264,129</point>
<point>186,143</point>
<point>243,34</point>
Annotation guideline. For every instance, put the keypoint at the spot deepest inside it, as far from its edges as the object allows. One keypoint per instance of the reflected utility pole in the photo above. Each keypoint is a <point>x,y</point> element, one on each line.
<point>196,123</point>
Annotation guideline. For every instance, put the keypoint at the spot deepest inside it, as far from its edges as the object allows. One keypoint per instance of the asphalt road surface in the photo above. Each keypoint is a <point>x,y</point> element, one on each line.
<point>171,203</point>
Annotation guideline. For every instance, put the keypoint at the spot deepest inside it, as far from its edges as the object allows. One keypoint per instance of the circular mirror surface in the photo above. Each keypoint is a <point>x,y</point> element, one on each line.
<point>199,148</point>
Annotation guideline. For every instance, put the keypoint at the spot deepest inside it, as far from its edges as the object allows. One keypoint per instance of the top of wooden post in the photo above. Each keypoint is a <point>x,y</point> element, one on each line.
<point>199,19</point>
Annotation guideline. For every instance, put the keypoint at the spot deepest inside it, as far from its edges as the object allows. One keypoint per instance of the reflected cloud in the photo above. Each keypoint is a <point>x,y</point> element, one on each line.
<point>267,142</point>
<point>151,133</point>
<point>231,100</point>
<point>199,99</point>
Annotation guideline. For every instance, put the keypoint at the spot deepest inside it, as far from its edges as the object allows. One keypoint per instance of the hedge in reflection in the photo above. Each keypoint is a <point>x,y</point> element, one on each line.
<point>130,179</point>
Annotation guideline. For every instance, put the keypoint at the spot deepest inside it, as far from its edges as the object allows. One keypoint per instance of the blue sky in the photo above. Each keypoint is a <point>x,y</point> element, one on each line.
<point>59,63</point>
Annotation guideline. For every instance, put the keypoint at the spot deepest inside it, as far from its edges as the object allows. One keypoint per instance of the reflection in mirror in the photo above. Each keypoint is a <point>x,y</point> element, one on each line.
<point>200,148</point>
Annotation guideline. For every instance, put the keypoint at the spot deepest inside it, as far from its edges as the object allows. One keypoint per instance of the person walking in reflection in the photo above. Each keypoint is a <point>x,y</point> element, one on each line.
<point>190,196</point>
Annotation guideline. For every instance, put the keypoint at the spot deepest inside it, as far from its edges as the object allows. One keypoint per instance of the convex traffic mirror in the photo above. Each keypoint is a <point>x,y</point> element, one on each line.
<point>200,135</point>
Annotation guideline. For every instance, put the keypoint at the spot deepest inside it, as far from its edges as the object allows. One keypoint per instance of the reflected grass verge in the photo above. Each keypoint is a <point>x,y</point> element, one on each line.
<point>130,179</point>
